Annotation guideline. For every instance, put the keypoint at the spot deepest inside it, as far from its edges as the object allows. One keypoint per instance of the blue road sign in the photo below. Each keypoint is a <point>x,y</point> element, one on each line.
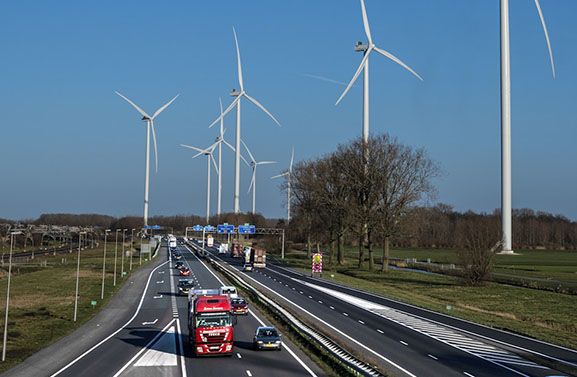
<point>148,227</point>
<point>197,228</point>
<point>209,228</point>
<point>246,229</point>
<point>225,229</point>
<point>156,227</point>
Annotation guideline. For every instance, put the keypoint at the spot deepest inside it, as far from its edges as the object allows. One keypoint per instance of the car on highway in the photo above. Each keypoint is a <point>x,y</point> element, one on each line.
<point>185,271</point>
<point>177,256</point>
<point>247,267</point>
<point>184,286</point>
<point>239,306</point>
<point>229,291</point>
<point>267,338</point>
<point>179,264</point>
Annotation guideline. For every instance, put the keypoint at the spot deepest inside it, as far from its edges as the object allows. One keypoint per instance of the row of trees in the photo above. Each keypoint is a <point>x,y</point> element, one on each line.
<point>362,191</point>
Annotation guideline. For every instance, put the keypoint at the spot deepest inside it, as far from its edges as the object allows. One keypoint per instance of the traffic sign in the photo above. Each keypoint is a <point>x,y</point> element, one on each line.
<point>197,228</point>
<point>317,266</point>
<point>209,228</point>
<point>246,229</point>
<point>156,227</point>
<point>148,227</point>
<point>225,228</point>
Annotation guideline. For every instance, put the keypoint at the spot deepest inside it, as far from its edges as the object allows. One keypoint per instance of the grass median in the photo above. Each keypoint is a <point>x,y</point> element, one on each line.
<point>42,298</point>
<point>539,314</point>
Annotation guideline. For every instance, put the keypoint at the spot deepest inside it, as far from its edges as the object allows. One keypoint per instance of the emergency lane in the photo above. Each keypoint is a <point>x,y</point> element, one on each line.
<point>245,361</point>
<point>415,351</point>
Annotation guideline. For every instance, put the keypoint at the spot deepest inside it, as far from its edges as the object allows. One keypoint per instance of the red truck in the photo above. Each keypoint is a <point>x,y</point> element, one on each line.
<point>210,325</point>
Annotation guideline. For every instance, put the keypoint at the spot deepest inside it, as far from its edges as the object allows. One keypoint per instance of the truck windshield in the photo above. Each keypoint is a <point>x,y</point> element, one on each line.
<point>213,321</point>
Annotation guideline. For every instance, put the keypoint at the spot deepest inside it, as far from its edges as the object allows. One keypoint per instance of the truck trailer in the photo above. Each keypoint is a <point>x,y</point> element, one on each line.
<point>255,256</point>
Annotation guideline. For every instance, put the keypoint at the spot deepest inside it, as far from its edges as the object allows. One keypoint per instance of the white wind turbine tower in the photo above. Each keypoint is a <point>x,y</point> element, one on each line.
<point>506,121</point>
<point>364,66</point>
<point>208,153</point>
<point>254,164</point>
<point>149,126</point>
<point>236,102</point>
<point>288,175</point>
<point>221,140</point>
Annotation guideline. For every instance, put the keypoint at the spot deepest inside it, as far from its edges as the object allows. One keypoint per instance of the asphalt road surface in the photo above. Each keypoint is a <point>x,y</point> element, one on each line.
<point>144,333</point>
<point>401,338</point>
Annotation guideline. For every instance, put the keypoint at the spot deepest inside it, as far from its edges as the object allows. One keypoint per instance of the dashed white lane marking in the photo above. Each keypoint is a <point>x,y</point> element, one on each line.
<point>249,374</point>
<point>361,322</point>
<point>432,357</point>
<point>404,343</point>
<point>310,296</point>
<point>381,331</point>
<point>433,330</point>
<point>345,314</point>
<point>332,307</point>
<point>468,374</point>
<point>238,355</point>
<point>320,302</point>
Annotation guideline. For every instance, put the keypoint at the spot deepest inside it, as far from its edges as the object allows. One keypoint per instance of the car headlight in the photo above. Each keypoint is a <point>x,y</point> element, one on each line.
<point>277,342</point>
<point>259,341</point>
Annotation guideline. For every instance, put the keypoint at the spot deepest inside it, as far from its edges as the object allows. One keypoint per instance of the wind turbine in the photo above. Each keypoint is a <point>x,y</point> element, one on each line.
<point>288,174</point>
<point>208,153</point>
<point>254,164</point>
<point>364,66</point>
<point>149,126</point>
<point>221,140</point>
<point>506,121</point>
<point>236,102</point>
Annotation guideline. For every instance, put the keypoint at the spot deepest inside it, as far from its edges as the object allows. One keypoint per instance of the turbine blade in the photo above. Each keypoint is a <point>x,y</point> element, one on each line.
<point>261,107</point>
<point>228,145</point>
<point>398,61</point>
<point>142,112</point>
<point>221,119</point>
<point>233,104</point>
<point>265,162</point>
<point>366,23</point>
<point>165,106</point>
<point>238,59</point>
<point>191,147</point>
<point>244,159</point>
<point>154,139</point>
<point>357,73</point>
<point>214,163</point>
<point>280,175</point>
<point>546,36</point>
<point>292,159</point>
<point>252,180</point>
<point>250,154</point>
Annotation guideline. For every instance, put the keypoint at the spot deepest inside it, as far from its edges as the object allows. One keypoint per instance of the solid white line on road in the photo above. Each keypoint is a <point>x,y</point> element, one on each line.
<point>404,343</point>
<point>248,373</point>
<point>143,349</point>
<point>150,323</point>
<point>180,348</point>
<point>238,355</point>
<point>117,331</point>
<point>432,357</point>
<point>468,374</point>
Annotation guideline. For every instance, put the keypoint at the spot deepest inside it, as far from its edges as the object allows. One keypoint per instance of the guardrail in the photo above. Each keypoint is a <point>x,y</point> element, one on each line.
<point>356,365</point>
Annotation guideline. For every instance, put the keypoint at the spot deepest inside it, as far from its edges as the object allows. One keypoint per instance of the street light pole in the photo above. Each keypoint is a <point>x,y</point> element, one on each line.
<point>123,252</point>
<point>104,263</point>
<point>77,274</point>
<point>131,244</point>
<point>115,255</point>
<point>8,295</point>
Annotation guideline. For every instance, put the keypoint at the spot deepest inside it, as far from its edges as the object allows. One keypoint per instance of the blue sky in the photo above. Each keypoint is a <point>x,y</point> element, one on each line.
<point>69,144</point>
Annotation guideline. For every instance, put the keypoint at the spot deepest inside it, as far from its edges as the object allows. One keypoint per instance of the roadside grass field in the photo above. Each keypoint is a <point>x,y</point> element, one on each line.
<point>539,314</point>
<point>544,264</point>
<point>42,298</point>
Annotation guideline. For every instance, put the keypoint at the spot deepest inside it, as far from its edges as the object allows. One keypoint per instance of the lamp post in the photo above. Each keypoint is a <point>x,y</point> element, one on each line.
<point>77,274</point>
<point>123,252</point>
<point>115,255</point>
<point>12,234</point>
<point>104,263</point>
<point>140,253</point>
<point>131,244</point>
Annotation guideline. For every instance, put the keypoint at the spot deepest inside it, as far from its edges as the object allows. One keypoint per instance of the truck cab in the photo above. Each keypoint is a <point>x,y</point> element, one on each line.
<point>210,324</point>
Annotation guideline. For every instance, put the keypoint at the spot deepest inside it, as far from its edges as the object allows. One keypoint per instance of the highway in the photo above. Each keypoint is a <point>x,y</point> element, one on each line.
<point>153,340</point>
<point>398,337</point>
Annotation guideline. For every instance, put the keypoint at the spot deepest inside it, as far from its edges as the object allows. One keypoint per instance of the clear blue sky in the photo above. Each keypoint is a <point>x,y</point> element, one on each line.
<point>69,144</point>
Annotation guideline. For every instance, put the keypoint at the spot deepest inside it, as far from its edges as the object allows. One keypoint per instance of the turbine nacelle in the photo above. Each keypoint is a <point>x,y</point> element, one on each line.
<point>360,47</point>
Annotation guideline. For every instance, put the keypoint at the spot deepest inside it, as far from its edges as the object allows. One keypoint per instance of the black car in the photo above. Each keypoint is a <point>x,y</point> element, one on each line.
<point>267,338</point>
<point>179,264</point>
<point>184,286</point>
